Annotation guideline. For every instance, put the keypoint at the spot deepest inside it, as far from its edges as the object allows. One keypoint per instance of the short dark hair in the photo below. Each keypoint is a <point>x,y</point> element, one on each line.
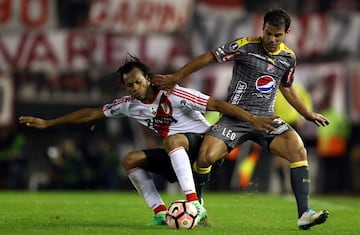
<point>277,17</point>
<point>132,62</point>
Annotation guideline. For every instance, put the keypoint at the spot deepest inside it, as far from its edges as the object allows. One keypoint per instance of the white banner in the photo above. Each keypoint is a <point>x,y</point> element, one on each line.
<point>140,16</point>
<point>6,101</point>
<point>73,51</point>
<point>20,15</point>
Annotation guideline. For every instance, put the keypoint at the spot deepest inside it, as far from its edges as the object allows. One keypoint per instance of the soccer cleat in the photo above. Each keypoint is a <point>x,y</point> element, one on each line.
<point>158,220</point>
<point>201,212</point>
<point>310,218</point>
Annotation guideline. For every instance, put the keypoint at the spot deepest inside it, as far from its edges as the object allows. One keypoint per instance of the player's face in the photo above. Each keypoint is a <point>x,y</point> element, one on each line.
<point>273,36</point>
<point>137,84</point>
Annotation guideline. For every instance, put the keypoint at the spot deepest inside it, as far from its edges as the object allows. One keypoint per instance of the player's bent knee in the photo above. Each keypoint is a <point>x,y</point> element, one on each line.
<point>126,163</point>
<point>296,154</point>
<point>134,159</point>
<point>302,153</point>
<point>129,161</point>
<point>175,141</point>
<point>208,158</point>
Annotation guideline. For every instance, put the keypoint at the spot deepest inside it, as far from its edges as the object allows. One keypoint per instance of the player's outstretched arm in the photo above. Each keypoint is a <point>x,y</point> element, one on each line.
<point>226,108</point>
<point>318,119</point>
<point>79,116</point>
<point>294,99</point>
<point>168,81</point>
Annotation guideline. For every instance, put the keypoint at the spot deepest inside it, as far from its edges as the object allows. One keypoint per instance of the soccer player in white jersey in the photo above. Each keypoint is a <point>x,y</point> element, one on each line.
<point>261,66</point>
<point>174,115</point>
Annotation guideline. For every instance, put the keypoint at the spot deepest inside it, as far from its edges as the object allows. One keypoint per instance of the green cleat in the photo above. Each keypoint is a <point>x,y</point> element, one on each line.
<point>201,212</point>
<point>158,220</point>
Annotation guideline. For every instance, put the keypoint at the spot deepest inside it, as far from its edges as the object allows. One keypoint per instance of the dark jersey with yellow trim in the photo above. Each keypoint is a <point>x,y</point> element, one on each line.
<point>257,73</point>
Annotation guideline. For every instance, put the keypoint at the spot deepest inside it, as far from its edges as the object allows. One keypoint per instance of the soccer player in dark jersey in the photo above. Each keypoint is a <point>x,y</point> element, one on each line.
<point>175,115</point>
<point>262,65</point>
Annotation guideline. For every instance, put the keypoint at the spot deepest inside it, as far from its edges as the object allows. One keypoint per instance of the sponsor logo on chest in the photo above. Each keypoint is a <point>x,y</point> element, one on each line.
<point>265,84</point>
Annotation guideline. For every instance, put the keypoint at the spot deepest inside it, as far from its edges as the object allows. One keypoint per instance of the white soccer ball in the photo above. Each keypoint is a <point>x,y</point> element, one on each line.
<point>181,214</point>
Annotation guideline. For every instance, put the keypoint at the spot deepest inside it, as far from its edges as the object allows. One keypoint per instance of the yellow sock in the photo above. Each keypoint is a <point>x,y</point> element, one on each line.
<point>299,164</point>
<point>201,170</point>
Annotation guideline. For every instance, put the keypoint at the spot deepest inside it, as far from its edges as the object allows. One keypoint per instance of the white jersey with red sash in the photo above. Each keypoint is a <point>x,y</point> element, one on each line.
<point>178,111</point>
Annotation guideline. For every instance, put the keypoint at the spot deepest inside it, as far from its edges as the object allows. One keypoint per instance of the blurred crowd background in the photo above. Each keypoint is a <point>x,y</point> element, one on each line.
<point>57,56</point>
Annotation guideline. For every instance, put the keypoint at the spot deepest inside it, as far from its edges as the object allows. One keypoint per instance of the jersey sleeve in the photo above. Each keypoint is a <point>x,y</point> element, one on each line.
<point>288,78</point>
<point>191,99</point>
<point>229,51</point>
<point>118,108</point>
<point>226,52</point>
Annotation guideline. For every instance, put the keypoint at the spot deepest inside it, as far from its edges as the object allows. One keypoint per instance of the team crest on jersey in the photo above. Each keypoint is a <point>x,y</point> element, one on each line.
<point>265,84</point>
<point>183,102</point>
<point>216,127</point>
<point>165,107</point>
<point>270,68</point>
<point>153,110</point>
<point>234,46</point>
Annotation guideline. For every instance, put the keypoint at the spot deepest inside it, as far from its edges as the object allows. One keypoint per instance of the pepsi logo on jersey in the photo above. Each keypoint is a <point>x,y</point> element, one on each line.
<point>265,84</point>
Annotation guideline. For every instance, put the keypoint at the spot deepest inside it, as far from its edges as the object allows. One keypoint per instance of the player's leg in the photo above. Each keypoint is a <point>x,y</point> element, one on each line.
<point>212,149</point>
<point>227,134</point>
<point>134,164</point>
<point>289,145</point>
<point>176,146</point>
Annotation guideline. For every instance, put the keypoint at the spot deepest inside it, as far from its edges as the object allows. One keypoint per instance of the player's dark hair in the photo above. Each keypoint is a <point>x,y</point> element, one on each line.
<point>277,17</point>
<point>130,63</point>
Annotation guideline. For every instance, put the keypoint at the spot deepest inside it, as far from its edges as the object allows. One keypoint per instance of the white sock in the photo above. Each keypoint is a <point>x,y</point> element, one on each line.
<point>145,186</point>
<point>182,167</point>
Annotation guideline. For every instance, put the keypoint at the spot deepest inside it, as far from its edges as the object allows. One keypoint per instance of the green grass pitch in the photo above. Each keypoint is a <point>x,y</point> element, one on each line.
<point>117,212</point>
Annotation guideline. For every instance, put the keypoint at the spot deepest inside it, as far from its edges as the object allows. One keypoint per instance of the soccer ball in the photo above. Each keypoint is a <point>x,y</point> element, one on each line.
<point>181,214</point>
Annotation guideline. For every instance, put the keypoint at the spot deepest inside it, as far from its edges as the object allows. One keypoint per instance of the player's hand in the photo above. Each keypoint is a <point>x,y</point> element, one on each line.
<point>33,122</point>
<point>165,81</point>
<point>318,119</point>
<point>264,124</point>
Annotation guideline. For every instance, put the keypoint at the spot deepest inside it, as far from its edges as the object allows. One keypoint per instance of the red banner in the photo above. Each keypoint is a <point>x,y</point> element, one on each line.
<point>140,16</point>
<point>27,14</point>
<point>354,88</point>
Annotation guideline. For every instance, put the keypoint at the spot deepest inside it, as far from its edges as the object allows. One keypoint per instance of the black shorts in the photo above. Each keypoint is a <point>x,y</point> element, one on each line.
<point>159,161</point>
<point>234,132</point>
